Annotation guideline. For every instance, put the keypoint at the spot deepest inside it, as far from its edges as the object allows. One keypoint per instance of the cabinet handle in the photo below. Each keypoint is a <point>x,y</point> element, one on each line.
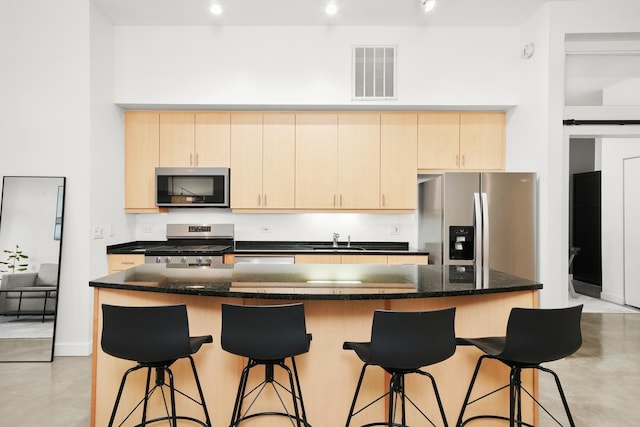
<point>190,159</point>
<point>196,162</point>
<point>334,200</point>
<point>259,199</point>
<point>265,200</point>
<point>341,200</point>
<point>457,160</point>
<point>127,262</point>
<point>463,160</point>
<point>383,201</point>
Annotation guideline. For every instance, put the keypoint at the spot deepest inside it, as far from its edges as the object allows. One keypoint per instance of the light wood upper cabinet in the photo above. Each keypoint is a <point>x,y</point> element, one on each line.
<point>398,163</point>
<point>190,139</point>
<point>316,160</point>
<point>438,140</point>
<point>358,161</point>
<point>177,137</point>
<point>469,141</point>
<point>141,157</point>
<point>262,161</point>
<point>278,161</point>
<point>213,139</point>
<point>246,160</point>
<point>482,141</point>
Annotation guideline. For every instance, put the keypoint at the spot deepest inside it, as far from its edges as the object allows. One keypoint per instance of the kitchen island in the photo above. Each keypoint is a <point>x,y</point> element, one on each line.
<point>339,303</point>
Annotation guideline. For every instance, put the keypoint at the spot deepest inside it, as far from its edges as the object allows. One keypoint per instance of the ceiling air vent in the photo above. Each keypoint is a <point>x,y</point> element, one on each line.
<point>374,72</point>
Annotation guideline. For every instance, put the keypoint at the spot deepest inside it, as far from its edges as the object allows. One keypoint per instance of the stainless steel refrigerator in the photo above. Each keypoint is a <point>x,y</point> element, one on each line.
<point>486,219</point>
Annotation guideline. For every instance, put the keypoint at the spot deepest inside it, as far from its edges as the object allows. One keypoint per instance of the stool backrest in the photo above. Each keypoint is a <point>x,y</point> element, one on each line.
<point>412,339</point>
<point>536,335</point>
<point>270,332</point>
<point>146,334</point>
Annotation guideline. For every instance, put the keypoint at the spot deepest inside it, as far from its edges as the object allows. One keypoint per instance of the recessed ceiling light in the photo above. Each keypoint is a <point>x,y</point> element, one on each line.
<point>331,8</point>
<point>428,5</point>
<point>216,9</point>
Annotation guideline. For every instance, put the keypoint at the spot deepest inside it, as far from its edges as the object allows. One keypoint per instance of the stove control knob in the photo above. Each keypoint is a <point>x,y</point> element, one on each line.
<point>167,260</point>
<point>199,260</point>
<point>209,261</point>
<point>184,260</point>
<point>158,260</point>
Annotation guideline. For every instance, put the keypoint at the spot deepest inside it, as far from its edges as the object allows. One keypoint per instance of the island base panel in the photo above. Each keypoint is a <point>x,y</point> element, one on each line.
<point>328,374</point>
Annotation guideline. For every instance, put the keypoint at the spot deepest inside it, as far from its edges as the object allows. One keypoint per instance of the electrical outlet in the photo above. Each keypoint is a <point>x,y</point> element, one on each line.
<point>265,229</point>
<point>394,229</point>
<point>97,232</point>
<point>147,229</point>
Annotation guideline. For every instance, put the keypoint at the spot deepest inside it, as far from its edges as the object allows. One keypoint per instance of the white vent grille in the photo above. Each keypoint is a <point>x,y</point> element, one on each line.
<point>374,72</point>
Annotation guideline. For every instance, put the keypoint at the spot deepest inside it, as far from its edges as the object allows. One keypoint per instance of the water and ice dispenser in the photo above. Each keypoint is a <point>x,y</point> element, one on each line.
<point>461,240</point>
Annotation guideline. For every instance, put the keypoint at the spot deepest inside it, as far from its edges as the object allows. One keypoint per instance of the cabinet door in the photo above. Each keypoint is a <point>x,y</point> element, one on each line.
<point>120,262</point>
<point>364,259</point>
<point>278,161</point>
<point>408,259</point>
<point>177,139</point>
<point>246,160</point>
<point>213,140</point>
<point>482,141</point>
<point>438,140</point>
<point>359,161</point>
<point>141,157</point>
<point>398,164</point>
<point>317,259</point>
<point>316,160</point>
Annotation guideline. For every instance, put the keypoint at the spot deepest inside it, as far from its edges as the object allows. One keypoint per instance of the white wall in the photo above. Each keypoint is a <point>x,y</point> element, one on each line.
<point>237,66</point>
<point>45,130</point>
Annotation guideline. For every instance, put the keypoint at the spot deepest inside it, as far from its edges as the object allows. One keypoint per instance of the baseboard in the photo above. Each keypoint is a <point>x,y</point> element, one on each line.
<point>72,349</point>
<point>594,291</point>
<point>614,298</point>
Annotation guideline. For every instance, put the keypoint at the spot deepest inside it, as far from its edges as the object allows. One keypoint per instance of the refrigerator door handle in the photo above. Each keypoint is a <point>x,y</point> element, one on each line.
<point>478,226</point>
<point>485,237</point>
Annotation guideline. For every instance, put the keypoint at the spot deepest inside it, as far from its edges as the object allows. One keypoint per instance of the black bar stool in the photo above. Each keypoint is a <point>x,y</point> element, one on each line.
<point>266,335</point>
<point>154,337</point>
<point>401,343</point>
<point>534,336</point>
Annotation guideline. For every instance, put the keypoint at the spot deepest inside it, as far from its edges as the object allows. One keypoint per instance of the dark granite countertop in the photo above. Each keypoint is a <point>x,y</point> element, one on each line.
<point>315,281</point>
<point>257,247</point>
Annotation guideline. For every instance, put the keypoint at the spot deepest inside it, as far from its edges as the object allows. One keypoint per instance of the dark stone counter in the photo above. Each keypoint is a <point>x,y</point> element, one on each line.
<point>316,281</point>
<point>243,247</point>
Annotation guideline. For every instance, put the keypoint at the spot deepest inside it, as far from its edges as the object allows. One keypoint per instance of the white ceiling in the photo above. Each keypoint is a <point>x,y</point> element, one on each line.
<point>507,13</point>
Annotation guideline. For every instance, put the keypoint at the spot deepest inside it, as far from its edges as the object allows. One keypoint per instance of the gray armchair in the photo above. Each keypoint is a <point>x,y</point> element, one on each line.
<point>30,293</point>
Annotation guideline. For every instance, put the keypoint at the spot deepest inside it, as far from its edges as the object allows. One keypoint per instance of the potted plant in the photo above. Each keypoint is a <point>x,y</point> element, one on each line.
<point>15,261</point>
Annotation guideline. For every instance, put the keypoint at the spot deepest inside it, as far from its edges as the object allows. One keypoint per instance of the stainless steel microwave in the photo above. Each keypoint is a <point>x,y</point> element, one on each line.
<point>192,187</point>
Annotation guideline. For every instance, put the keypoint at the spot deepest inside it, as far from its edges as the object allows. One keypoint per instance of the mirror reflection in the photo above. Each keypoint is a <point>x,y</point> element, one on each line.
<point>31,218</point>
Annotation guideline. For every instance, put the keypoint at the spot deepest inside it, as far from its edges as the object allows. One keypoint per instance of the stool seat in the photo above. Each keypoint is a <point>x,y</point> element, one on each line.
<point>403,342</point>
<point>534,336</point>
<point>155,337</point>
<point>267,336</point>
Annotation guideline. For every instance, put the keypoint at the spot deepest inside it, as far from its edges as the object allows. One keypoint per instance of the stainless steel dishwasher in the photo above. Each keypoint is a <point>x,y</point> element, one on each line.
<point>264,259</point>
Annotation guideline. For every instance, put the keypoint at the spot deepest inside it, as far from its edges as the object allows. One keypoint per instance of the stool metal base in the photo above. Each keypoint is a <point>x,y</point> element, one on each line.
<point>515,399</point>
<point>160,385</point>
<point>396,396</point>
<point>298,418</point>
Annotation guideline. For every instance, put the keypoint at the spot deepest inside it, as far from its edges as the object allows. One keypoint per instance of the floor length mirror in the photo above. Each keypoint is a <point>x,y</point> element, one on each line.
<point>31,215</point>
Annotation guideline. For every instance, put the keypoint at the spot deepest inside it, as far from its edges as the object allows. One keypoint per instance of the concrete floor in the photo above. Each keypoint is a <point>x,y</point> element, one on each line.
<point>601,380</point>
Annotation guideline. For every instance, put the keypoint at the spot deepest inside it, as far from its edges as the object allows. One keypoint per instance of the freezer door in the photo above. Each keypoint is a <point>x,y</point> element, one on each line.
<point>511,217</point>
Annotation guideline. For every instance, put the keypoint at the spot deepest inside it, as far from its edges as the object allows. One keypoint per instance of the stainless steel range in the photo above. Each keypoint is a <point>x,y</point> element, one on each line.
<point>192,245</point>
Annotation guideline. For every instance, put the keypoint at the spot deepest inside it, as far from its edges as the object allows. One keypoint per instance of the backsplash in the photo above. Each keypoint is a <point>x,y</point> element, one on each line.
<point>287,226</point>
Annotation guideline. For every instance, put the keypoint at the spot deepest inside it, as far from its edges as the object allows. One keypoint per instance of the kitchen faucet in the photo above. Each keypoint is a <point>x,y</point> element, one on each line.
<point>335,240</point>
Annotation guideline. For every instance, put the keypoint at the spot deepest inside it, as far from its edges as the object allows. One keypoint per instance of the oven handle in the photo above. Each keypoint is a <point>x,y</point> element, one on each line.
<point>267,259</point>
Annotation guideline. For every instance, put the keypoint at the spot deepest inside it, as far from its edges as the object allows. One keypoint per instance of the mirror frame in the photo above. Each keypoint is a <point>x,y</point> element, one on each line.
<point>57,232</point>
